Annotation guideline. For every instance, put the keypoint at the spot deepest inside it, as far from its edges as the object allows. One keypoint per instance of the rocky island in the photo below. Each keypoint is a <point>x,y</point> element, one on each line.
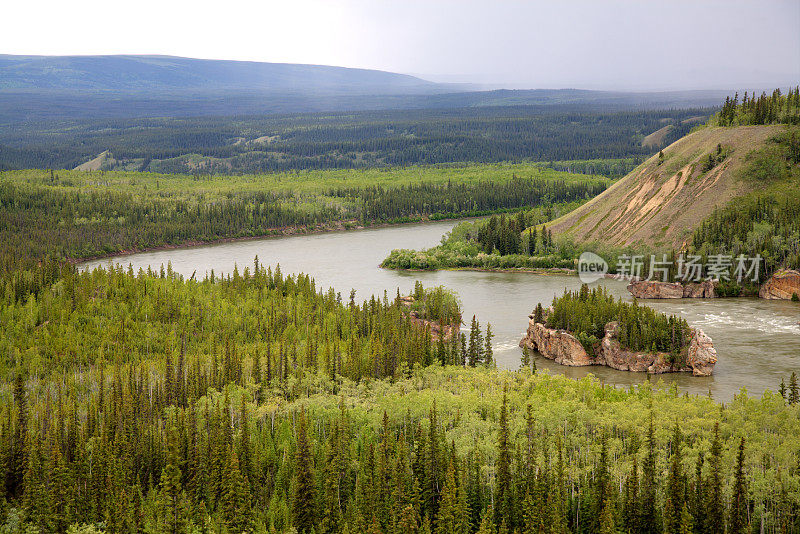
<point>591,327</point>
<point>565,349</point>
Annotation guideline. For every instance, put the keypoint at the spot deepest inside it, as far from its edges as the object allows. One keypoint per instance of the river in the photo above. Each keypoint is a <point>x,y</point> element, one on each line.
<point>757,341</point>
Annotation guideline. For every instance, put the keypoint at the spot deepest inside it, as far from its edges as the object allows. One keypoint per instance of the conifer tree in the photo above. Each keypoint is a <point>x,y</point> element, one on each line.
<point>503,497</point>
<point>738,522</point>
<point>697,509</point>
<point>448,519</point>
<point>36,496</point>
<point>304,488</point>
<point>19,449</point>
<point>648,520</point>
<point>715,510</point>
<point>676,486</point>
<point>171,497</point>
<point>473,352</point>
<point>607,520</point>
<point>538,315</point>
<point>558,520</point>
<point>631,508</point>
<point>331,512</point>
<point>236,498</point>
<point>245,447</point>
<point>794,390</point>
<point>487,523</point>
<point>602,482</point>
<point>687,522</point>
<point>488,353</point>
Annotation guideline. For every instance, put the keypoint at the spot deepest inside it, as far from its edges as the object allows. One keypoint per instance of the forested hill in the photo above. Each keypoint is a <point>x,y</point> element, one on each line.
<point>663,201</point>
<point>133,74</point>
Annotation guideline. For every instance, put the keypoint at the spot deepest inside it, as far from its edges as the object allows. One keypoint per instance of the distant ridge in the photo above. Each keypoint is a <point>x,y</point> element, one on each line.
<point>46,88</point>
<point>142,73</point>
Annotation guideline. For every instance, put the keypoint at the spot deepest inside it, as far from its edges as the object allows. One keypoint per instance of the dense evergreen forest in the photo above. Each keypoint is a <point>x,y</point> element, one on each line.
<point>72,214</point>
<point>776,108</point>
<point>258,402</point>
<point>141,402</point>
<point>247,144</point>
<point>586,312</point>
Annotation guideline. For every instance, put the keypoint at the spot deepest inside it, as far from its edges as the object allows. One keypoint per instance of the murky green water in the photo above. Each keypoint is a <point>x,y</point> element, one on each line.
<point>757,341</point>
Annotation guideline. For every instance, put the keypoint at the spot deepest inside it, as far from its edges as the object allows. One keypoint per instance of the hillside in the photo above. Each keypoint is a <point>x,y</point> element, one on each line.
<point>660,203</point>
<point>133,73</point>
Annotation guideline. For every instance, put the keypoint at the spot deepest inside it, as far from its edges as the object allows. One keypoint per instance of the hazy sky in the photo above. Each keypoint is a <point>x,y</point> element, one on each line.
<point>641,44</point>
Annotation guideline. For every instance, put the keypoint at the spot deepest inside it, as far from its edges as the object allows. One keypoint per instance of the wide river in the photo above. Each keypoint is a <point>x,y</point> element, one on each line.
<point>757,341</point>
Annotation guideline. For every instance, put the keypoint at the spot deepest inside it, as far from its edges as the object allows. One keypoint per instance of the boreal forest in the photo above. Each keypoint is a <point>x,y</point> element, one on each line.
<point>144,399</point>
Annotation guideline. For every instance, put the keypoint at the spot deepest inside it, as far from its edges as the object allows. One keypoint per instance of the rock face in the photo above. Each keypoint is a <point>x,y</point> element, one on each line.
<point>565,349</point>
<point>443,332</point>
<point>438,331</point>
<point>782,285</point>
<point>702,355</point>
<point>645,289</point>
<point>557,345</point>
<point>648,289</point>
<point>699,290</point>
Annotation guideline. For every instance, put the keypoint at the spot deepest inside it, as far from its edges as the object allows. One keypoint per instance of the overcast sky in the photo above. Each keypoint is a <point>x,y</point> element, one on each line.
<point>615,44</point>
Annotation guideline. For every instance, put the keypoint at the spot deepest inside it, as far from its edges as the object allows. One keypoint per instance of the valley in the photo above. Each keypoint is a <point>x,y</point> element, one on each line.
<point>304,288</point>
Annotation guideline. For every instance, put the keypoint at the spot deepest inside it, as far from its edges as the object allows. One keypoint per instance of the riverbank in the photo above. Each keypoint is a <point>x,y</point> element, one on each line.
<point>348,225</point>
<point>544,272</point>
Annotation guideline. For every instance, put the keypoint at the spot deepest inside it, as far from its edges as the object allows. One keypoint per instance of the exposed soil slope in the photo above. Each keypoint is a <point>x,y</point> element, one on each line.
<point>660,203</point>
<point>98,163</point>
<point>657,137</point>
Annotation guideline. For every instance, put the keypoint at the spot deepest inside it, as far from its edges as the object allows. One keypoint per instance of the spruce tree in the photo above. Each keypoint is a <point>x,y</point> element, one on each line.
<point>19,450</point>
<point>538,314</point>
<point>488,353</point>
<point>686,525</point>
<point>648,520</point>
<point>558,520</point>
<point>738,522</point>
<point>676,486</point>
<point>602,497</point>
<point>304,488</point>
<point>448,519</point>
<point>245,447</point>
<point>473,352</point>
<point>172,503</point>
<point>607,520</point>
<point>36,500</point>
<point>433,464</point>
<point>487,523</point>
<point>236,498</point>
<point>631,508</point>
<point>794,390</point>
<point>504,502</point>
<point>715,509</point>
<point>698,509</point>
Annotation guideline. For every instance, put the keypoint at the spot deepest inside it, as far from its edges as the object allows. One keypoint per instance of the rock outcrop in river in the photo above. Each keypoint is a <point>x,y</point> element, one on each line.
<point>648,289</point>
<point>445,332</point>
<point>782,285</point>
<point>565,349</point>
